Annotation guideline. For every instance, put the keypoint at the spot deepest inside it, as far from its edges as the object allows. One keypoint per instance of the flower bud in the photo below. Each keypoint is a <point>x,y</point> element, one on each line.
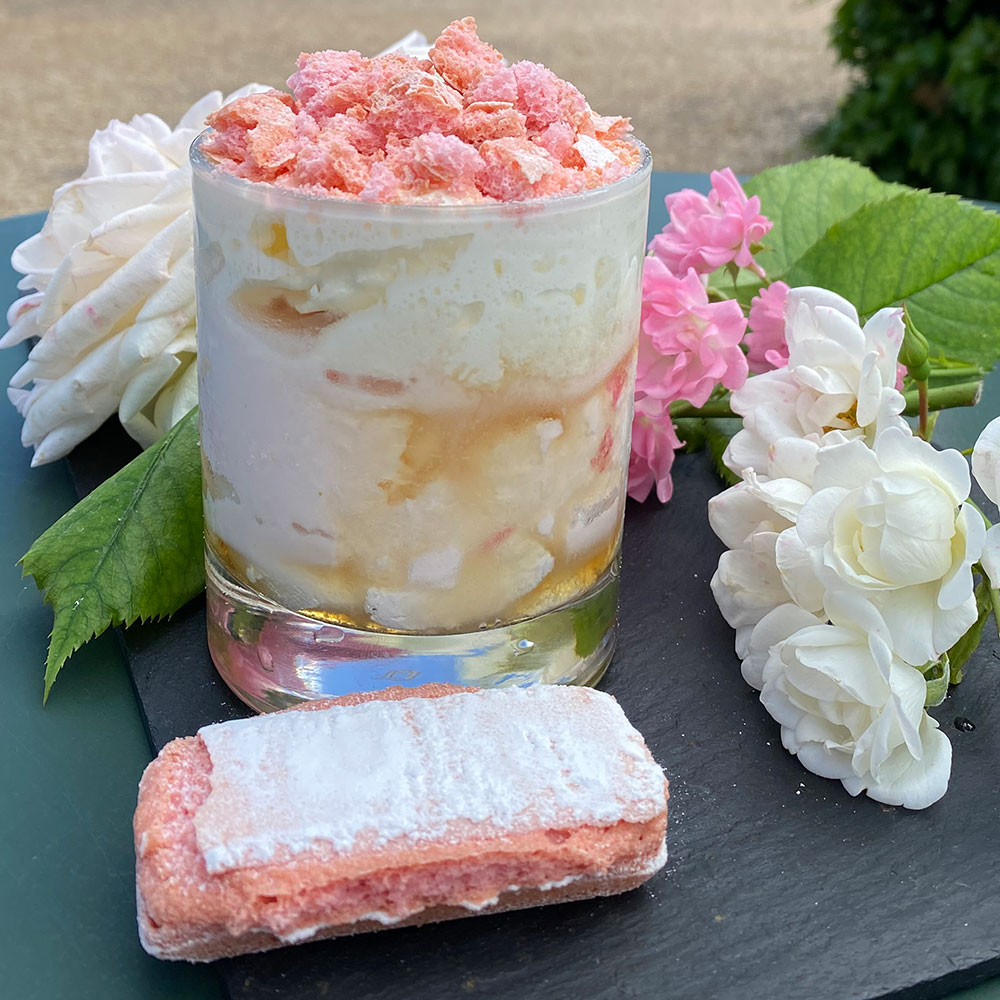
<point>914,351</point>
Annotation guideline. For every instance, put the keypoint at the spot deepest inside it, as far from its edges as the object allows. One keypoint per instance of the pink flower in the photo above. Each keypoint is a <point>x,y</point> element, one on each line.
<point>766,346</point>
<point>707,232</point>
<point>687,344</point>
<point>654,441</point>
<point>900,375</point>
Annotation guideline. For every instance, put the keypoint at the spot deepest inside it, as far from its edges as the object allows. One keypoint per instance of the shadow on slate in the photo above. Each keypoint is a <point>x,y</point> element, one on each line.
<point>779,884</point>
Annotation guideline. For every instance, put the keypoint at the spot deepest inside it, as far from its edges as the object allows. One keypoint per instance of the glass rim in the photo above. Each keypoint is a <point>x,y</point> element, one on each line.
<point>204,167</point>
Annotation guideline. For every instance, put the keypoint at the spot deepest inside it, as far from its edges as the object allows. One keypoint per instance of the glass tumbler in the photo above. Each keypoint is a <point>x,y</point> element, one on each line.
<point>415,434</point>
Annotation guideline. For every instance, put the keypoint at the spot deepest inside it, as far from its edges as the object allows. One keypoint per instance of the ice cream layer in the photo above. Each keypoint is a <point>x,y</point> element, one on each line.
<point>460,127</point>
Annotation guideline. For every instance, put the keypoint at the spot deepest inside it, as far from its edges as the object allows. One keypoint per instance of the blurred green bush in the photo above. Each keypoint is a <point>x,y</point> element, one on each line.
<point>925,109</point>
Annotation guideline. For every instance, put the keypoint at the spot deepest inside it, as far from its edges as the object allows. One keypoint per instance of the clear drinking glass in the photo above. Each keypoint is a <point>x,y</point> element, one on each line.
<point>415,435</point>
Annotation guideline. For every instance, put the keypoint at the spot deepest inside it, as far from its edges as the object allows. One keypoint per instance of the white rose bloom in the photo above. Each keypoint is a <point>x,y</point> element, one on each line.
<point>986,469</point>
<point>986,460</point>
<point>746,585</point>
<point>112,303</point>
<point>840,377</point>
<point>890,522</point>
<point>851,709</point>
<point>739,512</point>
<point>776,626</point>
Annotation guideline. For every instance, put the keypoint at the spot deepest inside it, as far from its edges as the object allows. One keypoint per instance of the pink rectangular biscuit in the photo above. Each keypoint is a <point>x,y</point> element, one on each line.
<point>393,809</point>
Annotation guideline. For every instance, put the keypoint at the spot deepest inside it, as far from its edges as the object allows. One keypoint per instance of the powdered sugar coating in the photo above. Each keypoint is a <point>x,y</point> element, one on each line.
<point>483,763</point>
<point>463,91</point>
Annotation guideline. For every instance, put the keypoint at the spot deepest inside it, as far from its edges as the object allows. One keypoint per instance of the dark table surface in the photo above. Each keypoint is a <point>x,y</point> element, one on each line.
<point>68,773</point>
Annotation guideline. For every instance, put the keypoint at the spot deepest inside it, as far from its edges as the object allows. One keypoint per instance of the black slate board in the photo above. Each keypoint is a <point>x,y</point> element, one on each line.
<point>779,884</point>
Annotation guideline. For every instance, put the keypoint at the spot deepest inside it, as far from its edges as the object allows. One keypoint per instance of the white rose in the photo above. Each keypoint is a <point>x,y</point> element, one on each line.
<point>851,709</point>
<point>113,300</point>
<point>890,523</point>
<point>776,626</point>
<point>739,512</point>
<point>840,377</point>
<point>986,469</point>
<point>746,585</point>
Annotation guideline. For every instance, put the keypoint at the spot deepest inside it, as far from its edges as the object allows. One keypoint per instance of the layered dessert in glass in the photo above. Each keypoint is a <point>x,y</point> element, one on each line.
<point>418,301</point>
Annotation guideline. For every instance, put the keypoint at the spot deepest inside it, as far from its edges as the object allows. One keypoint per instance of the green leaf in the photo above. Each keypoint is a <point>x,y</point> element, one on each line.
<point>131,550</point>
<point>805,199</point>
<point>937,675</point>
<point>939,254</point>
<point>718,433</point>
<point>691,430</point>
<point>969,643</point>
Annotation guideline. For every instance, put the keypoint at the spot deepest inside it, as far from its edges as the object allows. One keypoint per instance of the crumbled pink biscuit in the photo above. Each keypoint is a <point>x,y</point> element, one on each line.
<point>558,139</point>
<point>362,134</point>
<point>431,167</point>
<point>383,185</point>
<point>461,58</point>
<point>331,83</point>
<point>544,98</point>
<point>610,126</point>
<point>516,169</point>
<point>385,71</point>
<point>599,176</point>
<point>501,86</point>
<point>256,132</point>
<point>490,120</point>
<point>417,103</point>
<point>627,152</point>
<point>374,128</point>
<point>332,162</point>
<point>328,82</point>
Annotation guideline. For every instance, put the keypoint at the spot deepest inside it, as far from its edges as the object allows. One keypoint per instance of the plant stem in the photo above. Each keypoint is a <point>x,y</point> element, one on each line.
<point>956,373</point>
<point>922,410</point>
<point>944,397</point>
<point>941,397</point>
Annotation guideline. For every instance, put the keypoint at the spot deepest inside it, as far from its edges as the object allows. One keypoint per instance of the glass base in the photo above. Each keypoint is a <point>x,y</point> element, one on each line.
<point>272,657</point>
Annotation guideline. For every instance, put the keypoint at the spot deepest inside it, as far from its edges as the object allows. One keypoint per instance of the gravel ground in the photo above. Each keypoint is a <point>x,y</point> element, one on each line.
<point>726,82</point>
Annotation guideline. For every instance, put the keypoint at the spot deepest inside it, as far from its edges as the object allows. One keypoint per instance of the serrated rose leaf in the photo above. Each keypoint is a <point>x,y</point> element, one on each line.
<point>805,199</point>
<point>130,551</point>
<point>938,253</point>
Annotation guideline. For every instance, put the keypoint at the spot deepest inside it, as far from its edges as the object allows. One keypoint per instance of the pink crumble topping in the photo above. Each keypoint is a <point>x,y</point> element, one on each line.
<point>457,127</point>
<point>461,58</point>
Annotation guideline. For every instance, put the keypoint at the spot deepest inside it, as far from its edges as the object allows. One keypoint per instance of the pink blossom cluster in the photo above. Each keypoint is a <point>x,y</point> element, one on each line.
<point>689,344</point>
<point>765,340</point>
<point>706,232</point>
